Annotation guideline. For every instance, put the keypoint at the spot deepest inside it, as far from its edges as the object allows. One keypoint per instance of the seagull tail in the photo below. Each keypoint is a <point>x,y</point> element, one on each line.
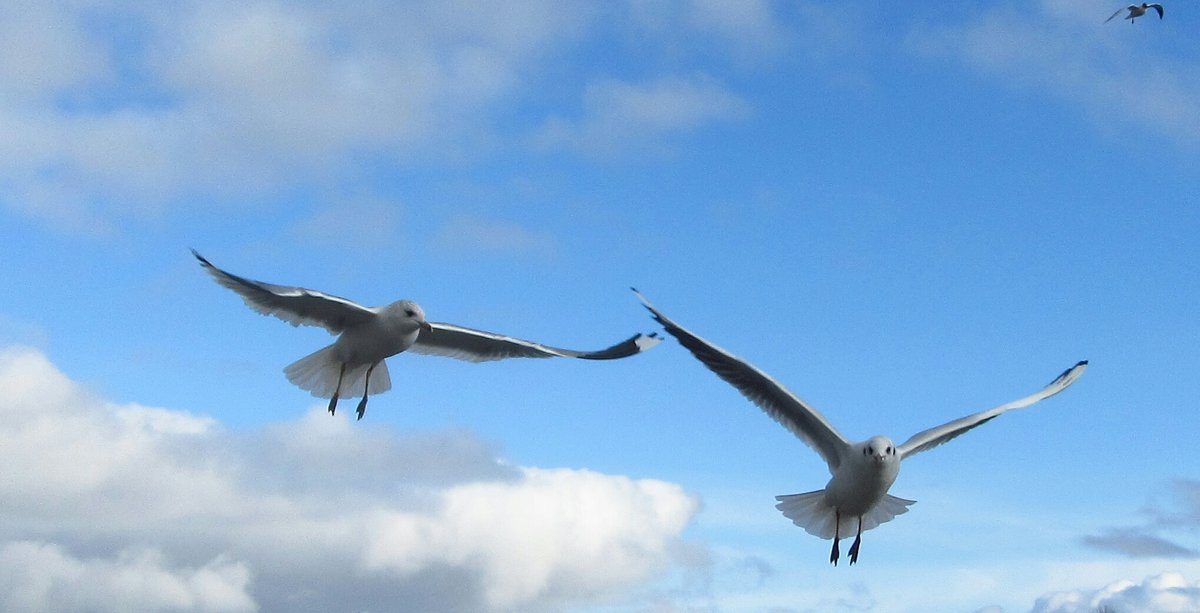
<point>317,373</point>
<point>811,512</point>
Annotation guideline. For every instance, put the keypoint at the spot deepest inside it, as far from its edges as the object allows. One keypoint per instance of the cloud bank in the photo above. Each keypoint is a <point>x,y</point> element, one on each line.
<point>108,507</point>
<point>1165,593</point>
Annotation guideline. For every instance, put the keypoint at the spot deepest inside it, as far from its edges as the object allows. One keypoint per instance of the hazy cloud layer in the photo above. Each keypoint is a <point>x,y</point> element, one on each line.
<point>123,507</point>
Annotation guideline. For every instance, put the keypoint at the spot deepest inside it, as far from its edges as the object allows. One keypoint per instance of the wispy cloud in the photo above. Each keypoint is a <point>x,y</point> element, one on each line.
<point>472,235</point>
<point>354,224</point>
<point>1179,510</point>
<point>1135,543</point>
<point>1056,47</point>
<point>113,111</point>
<point>620,116</point>
<point>124,507</point>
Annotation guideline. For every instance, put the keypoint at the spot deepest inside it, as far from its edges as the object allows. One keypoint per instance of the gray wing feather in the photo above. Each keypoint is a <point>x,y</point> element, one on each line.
<point>478,346</point>
<point>933,437</point>
<point>775,400</point>
<point>295,305</point>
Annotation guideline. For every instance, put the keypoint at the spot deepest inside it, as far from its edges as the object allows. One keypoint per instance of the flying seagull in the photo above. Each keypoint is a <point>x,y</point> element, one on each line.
<point>368,335</point>
<point>862,472</point>
<point>1137,10</point>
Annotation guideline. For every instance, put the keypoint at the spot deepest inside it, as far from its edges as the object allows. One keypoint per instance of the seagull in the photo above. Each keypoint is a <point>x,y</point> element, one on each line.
<point>862,472</point>
<point>1137,10</point>
<point>368,335</point>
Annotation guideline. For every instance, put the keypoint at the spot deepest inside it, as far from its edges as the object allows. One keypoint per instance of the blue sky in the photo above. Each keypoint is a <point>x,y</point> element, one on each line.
<point>905,216</point>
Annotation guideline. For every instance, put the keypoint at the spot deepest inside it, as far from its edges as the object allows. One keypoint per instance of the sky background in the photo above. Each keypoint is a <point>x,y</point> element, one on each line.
<point>904,213</point>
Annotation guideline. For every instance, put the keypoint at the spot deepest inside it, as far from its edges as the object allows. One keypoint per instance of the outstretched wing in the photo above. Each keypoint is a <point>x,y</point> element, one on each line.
<point>478,346</point>
<point>933,437</point>
<point>1159,8</point>
<point>295,305</point>
<point>783,406</point>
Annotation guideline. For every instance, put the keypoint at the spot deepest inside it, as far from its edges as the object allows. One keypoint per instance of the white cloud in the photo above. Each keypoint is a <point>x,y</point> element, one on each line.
<point>618,115</point>
<point>1056,47</point>
<point>1168,592</point>
<point>123,507</point>
<point>37,576</point>
<point>43,50</point>
<point>114,111</point>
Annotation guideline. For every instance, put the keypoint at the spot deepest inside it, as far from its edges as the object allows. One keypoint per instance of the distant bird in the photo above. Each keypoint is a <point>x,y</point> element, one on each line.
<point>1137,10</point>
<point>862,472</point>
<point>367,335</point>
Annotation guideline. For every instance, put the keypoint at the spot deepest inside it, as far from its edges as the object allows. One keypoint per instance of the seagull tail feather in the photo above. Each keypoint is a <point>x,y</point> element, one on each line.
<point>811,512</point>
<point>317,373</point>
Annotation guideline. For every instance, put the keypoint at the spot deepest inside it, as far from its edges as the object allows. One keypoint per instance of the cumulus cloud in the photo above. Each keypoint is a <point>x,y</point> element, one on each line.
<point>36,576</point>
<point>125,507</point>
<point>1054,46</point>
<point>1168,592</point>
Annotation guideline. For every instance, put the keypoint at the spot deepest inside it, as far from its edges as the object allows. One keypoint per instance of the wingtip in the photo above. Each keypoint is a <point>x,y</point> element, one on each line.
<point>203,261</point>
<point>644,301</point>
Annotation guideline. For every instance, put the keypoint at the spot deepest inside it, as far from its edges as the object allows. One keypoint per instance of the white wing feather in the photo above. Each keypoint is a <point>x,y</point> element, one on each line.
<point>933,437</point>
<point>783,406</point>
<point>1118,13</point>
<point>295,305</point>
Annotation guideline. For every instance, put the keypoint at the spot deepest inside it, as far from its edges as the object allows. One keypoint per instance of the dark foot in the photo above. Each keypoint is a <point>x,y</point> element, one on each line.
<point>362,407</point>
<point>833,554</point>
<point>333,404</point>
<point>854,549</point>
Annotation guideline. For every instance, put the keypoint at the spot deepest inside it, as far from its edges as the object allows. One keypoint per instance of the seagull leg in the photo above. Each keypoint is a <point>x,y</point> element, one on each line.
<point>857,542</point>
<point>833,554</point>
<point>362,405</point>
<point>337,390</point>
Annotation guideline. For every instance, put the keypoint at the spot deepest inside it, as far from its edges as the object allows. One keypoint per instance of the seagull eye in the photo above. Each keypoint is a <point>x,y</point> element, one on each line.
<point>410,312</point>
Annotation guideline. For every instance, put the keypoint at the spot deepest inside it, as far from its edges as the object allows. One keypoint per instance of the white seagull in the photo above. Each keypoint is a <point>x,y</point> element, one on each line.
<point>862,472</point>
<point>368,335</point>
<point>1137,10</point>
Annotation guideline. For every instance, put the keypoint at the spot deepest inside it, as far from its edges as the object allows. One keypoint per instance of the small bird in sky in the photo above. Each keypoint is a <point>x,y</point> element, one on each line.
<point>1137,10</point>
<point>855,498</point>
<point>368,335</point>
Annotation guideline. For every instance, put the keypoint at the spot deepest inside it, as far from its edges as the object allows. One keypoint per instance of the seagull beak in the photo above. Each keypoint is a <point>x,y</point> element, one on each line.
<point>426,327</point>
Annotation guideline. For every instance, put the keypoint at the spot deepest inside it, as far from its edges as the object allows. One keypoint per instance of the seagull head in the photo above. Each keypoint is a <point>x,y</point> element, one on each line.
<point>878,450</point>
<point>411,311</point>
